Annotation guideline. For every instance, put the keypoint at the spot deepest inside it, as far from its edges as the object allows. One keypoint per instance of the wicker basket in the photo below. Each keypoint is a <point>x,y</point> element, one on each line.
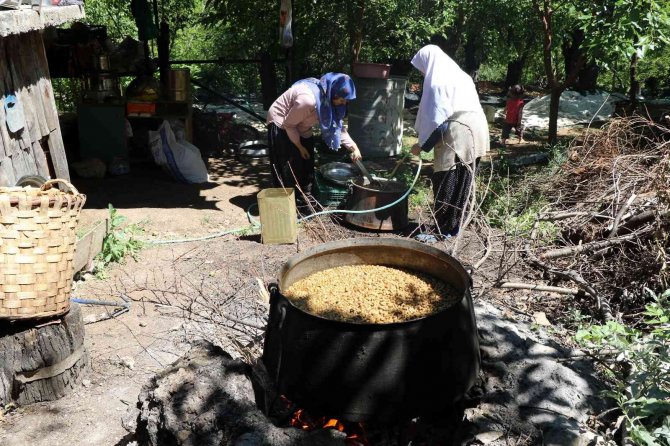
<point>37,242</point>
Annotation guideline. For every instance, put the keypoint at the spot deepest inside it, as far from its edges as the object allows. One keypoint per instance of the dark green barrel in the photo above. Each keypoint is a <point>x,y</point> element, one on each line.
<point>376,116</point>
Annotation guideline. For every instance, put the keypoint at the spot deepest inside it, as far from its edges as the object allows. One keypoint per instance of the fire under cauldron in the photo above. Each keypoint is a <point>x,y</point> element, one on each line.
<point>372,372</point>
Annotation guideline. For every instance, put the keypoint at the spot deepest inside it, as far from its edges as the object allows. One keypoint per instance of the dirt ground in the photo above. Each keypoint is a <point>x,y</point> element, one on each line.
<point>126,351</point>
<point>162,282</point>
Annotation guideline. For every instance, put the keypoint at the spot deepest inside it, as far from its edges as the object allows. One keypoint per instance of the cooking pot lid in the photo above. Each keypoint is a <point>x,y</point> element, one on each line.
<point>339,173</point>
<point>254,152</point>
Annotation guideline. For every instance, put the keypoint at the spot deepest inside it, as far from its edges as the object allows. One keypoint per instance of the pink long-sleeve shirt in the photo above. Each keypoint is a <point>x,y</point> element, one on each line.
<point>295,112</point>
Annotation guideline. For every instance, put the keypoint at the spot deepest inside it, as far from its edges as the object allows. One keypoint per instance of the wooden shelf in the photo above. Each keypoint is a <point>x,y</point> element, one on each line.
<point>19,21</point>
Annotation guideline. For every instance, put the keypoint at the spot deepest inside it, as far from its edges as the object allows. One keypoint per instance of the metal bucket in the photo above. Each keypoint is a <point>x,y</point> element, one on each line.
<point>376,116</point>
<point>180,84</point>
<point>365,197</point>
<point>380,372</point>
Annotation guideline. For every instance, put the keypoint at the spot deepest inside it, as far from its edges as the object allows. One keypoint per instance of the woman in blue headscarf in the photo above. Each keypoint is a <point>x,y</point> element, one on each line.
<point>291,118</point>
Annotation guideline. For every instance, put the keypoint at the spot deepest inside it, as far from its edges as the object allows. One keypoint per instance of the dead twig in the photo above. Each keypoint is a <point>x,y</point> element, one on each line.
<point>620,214</point>
<point>536,287</point>
<point>589,247</point>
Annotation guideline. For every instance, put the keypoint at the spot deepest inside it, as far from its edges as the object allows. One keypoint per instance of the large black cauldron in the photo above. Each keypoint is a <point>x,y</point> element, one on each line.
<point>380,372</point>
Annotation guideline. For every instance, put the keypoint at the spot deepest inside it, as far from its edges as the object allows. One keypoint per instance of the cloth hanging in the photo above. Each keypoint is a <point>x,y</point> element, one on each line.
<point>285,21</point>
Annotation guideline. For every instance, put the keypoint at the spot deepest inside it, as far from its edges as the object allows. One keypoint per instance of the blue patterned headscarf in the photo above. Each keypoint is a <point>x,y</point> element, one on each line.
<point>331,85</point>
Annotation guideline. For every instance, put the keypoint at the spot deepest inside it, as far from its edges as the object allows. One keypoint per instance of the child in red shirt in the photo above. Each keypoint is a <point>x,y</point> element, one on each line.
<point>513,113</point>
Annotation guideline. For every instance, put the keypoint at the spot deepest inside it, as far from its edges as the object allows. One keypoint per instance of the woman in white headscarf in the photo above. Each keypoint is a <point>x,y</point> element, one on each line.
<point>451,122</point>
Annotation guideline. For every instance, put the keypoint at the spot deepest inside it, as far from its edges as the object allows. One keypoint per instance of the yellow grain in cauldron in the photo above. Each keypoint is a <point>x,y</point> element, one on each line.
<point>371,294</point>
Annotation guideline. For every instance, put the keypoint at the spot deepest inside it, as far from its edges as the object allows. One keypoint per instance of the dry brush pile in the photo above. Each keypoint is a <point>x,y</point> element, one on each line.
<point>610,203</point>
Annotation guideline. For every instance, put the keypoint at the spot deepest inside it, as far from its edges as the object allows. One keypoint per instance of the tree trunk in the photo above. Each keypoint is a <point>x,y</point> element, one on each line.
<point>455,33</point>
<point>634,83</point>
<point>553,113</point>
<point>572,51</point>
<point>514,70</point>
<point>356,31</point>
<point>42,363</point>
<point>587,79</point>
<point>268,80</point>
<point>472,62</point>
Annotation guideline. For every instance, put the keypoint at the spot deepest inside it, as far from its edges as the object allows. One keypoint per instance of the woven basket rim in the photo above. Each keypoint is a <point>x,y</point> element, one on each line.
<point>16,194</point>
<point>37,202</point>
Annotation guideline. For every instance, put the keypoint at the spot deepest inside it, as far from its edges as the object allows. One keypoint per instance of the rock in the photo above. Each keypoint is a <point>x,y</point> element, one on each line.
<point>86,383</point>
<point>143,324</point>
<point>206,398</point>
<point>127,362</point>
<point>540,318</point>
<point>526,389</point>
<point>488,437</point>
<point>568,433</point>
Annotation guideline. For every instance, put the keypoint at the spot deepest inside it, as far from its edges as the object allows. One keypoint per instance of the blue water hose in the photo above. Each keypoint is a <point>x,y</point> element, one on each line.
<point>121,307</point>
<point>346,211</point>
<point>255,224</point>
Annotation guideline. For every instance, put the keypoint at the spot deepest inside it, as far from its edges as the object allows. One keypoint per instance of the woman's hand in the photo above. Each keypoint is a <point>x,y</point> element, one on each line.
<point>304,153</point>
<point>416,150</point>
<point>355,154</point>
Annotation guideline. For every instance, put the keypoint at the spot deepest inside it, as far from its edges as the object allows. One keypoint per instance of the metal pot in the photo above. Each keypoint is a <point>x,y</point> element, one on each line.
<point>339,173</point>
<point>179,80</point>
<point>103,82</point>
<point>380,372</point>
<point>254,153</point>
<point>101,63</point>
<point>364,197</point>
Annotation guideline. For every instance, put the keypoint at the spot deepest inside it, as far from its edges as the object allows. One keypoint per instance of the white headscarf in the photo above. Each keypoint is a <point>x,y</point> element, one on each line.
<point>446,89</point>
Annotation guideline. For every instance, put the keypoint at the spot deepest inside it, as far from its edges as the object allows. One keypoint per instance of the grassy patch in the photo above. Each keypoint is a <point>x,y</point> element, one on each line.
<point>121,241</point>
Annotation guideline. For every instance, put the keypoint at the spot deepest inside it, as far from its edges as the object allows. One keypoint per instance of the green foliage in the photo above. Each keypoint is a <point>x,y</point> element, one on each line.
<point>642,376</point>
<point>114,14</point>
<point>120,240</point>
<point>510,207</point>
<point>67,93</point>
<point>494,33</point>
<point>623,27</point>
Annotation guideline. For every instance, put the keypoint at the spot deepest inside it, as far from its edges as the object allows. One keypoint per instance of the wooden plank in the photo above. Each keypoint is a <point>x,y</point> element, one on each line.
<point>40,158</point>
<point>25,78</point>
<point>46,90</point>
<point>16,87</point>
<point>89,246</point>
<point>7,86</point>
<point>55,139</point>
<point>57,152</point>
<point>7,177</point>
<point>23,163</point>
<point>48,122</point>
<point>29,72</point>
<point>5,139</point>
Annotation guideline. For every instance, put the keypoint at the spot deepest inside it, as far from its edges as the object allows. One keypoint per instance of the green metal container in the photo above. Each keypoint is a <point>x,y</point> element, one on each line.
<point>376,116</point>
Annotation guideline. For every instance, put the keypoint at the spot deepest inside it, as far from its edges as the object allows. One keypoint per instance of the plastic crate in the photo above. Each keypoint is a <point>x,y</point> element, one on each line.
<point>328,194</point>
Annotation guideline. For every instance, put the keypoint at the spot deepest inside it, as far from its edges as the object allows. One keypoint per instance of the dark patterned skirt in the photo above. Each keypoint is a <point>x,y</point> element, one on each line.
<point>451,190</point>
<point>288,167</point>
